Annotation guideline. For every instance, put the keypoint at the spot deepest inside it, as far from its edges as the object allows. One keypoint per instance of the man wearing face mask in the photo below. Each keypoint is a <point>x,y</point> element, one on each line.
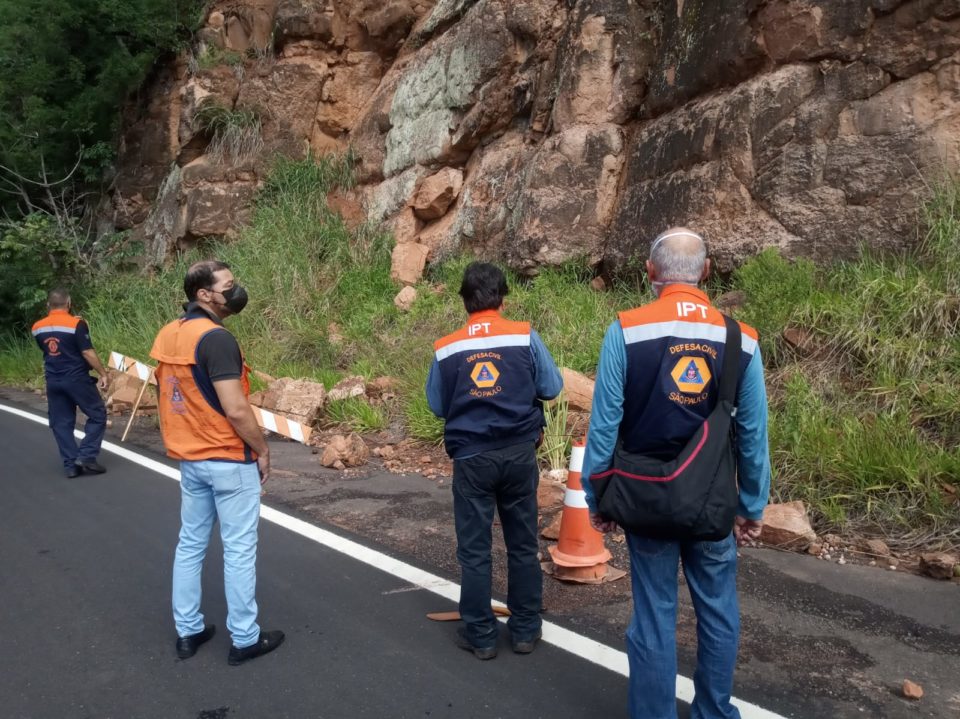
<point>660,378</point>
<point>207,423</point>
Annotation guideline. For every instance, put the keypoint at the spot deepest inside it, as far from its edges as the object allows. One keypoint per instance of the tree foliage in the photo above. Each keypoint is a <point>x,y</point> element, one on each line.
<point>66,68</point>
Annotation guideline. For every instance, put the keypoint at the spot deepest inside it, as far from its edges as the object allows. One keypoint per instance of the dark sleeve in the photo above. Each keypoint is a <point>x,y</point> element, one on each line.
<point>218,354</point>
<point>84,342</point>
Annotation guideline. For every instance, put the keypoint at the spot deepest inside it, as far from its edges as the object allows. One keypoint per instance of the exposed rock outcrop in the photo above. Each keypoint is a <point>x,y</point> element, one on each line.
<point>537,131</point>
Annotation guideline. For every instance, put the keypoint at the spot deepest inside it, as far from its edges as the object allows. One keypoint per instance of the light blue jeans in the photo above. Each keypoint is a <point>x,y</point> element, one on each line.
<point>711,572</point>
<point>230,492</point>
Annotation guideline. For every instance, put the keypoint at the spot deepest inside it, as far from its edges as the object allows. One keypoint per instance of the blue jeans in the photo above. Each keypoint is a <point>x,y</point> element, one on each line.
<point>506,480</point>
<point>711,572</point>
<point>230,492</point>
<point>63,398</point>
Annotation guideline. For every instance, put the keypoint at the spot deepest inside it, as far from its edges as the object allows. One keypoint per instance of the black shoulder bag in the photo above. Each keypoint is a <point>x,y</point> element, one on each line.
<point>693,497</point>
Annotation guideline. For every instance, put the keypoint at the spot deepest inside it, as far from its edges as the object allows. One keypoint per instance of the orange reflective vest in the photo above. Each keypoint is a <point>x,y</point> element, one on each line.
<point>193,429</point>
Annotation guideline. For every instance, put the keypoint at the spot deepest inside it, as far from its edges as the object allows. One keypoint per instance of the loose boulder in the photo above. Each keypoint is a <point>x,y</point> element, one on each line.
<point>938,565</point>
<point>298,399</point>
<point>354,386</point>
<point>787,525</point>
<point>578,389</point>
<point>349,451</point>
<point>436,193</point>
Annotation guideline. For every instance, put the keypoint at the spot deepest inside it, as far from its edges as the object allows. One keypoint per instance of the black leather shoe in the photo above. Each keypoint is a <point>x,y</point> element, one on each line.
<point>73,472</point>
<point>526,647</point>
<point>483,653</point>
<point>187,646</point>
<point>266,643</point>
<point>92,467</point>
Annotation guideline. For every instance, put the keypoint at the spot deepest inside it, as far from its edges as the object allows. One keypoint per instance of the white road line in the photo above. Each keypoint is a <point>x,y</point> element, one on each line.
<point>583,647</point>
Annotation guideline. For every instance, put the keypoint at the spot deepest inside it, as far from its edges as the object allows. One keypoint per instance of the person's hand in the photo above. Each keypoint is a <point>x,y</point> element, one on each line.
<point>602,525</point>
<point>102,382</point>
<point>747,530</point>
<point>263,464</point>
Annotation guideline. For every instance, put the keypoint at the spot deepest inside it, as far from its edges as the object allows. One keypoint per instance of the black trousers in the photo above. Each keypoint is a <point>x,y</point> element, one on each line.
<point>63,398</point>
<point>505,479</point>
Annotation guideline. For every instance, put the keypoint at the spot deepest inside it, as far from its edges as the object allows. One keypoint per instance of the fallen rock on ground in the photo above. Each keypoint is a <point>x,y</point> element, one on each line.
<point>787,525</point>
<point>354,386</point>
<point>911,690</point>
<point>578,389</point>
<point>938,565</point>
<point>346,451</point>
<point>405,299</point>
<point>549,493</point>
<point>875,548</point>
<point>298,399</point>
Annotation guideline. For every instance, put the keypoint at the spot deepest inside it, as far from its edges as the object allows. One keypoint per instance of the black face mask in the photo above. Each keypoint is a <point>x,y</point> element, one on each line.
<point>235,299</point>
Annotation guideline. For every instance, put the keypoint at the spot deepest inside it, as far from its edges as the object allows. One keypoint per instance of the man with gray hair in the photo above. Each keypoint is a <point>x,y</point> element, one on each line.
<point>659,381</point>
<point>68,357</point>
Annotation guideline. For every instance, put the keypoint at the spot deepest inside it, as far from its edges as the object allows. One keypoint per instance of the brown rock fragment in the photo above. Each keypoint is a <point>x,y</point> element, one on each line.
<point>786,525</point>
<point>578,389</point>
<point>549,493</point>
<point>938,565</point>
<point>436,193</point>
<point>407,262</point>
<point>405,299</point>
<point>350,451</point>
<point>911,690</point>
<point>354,386</point>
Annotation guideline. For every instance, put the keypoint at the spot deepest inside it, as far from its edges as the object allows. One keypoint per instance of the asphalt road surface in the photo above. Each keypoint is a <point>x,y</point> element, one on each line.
<point>87,632</point>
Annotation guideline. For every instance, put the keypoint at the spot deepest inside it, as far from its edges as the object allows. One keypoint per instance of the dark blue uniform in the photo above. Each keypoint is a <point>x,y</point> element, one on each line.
<point>486,381</point>
<point>63,338</point>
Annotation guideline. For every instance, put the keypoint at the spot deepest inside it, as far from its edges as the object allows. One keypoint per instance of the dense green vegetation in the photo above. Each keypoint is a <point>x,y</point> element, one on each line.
<point>864,400</point>
<point>66,68</point>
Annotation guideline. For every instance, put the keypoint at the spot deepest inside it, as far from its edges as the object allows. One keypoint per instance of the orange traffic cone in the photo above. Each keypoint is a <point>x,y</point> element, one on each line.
<point>580,554</point>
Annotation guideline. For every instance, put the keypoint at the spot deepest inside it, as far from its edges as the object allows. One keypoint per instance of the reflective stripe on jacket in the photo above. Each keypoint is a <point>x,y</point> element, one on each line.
<point>62,352</point>
<point>489,390</point>
<point>674,349</point>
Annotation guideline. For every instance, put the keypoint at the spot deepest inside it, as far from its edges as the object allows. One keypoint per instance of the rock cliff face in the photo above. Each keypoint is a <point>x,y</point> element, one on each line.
<point>536,131</point>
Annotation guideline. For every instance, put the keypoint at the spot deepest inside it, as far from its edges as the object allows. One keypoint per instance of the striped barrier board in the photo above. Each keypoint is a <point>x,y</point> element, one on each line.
<point>281,425</point>
<point>267,420</point>
<point>129,365</point>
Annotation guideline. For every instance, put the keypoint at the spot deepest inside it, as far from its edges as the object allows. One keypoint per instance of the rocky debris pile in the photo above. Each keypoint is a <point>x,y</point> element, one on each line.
<point>342,451</point>
<point>412,457</point>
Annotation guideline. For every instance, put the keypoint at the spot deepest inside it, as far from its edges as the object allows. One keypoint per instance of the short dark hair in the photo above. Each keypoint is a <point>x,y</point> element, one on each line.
<point>483,288</point>
<point>200,277</point>
<point>58,298</point>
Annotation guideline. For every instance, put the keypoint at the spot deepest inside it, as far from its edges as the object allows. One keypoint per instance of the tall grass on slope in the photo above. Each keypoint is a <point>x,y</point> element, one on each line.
<point>864,417</point>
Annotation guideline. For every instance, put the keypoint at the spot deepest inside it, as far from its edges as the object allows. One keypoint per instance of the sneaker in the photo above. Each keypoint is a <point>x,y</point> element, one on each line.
<point>73,472</point>
<point>187,646</point>
<point>483,653</point>
<point>266,643</point>
<point>526,647</point>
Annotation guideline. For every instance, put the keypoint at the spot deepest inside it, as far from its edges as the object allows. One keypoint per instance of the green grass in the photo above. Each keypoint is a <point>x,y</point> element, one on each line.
<point>235,133</point>
<point>865,420</point>
<point>356,414</point>
<point>214,56</point>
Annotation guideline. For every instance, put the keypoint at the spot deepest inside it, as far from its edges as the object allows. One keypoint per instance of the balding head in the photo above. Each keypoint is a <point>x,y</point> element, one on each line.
<point>678,255</point>
<point>58,299</point>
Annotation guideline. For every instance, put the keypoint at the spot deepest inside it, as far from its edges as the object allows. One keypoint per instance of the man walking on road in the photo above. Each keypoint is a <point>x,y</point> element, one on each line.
<point>207,423</point>
<point>68,357</point>
<point>660,377</point>
<point>486,381</point>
